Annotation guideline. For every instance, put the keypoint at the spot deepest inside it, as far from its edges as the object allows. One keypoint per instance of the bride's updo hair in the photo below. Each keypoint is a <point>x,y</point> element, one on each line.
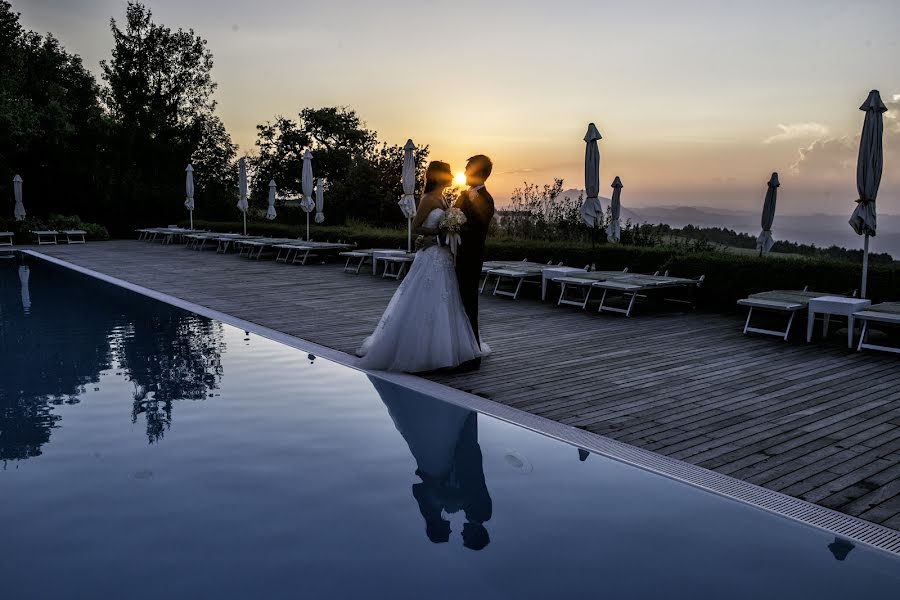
<point>438,175</point>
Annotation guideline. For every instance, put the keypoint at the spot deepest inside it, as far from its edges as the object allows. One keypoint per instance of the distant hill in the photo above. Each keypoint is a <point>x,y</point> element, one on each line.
<point>823,230</point>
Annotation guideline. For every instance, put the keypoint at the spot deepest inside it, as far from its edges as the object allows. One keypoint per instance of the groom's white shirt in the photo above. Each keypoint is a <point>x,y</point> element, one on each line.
<point>475,188</point>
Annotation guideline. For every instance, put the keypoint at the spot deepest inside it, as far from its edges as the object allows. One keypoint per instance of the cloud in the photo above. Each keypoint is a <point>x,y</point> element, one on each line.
<point>517,171</point>
<point>834,158</point>
<point>798,131</point>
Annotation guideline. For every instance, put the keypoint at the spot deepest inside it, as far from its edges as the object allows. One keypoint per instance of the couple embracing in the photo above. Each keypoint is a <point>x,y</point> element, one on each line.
<point>431,322</point>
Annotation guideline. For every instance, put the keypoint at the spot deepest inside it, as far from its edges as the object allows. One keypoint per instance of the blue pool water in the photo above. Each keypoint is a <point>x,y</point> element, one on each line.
<point>146,452</point>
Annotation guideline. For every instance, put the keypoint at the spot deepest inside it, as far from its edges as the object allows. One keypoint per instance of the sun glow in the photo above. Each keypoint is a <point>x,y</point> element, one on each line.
<point>459,179</point>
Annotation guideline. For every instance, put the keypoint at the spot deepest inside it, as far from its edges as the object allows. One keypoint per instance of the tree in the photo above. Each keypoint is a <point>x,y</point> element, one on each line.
<point>215,171</point>
<point>159,95</point>
<point>51,124</point>
<point>363,176</point>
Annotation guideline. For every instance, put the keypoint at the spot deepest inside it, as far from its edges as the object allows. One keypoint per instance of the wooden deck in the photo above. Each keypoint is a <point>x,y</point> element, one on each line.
<point>814,421</point>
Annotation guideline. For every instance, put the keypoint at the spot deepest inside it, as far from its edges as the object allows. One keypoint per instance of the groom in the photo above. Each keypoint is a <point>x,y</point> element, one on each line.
<point>478,206</point>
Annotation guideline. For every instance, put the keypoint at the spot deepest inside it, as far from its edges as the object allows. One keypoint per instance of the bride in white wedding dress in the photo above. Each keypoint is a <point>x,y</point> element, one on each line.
<point>424,327</point>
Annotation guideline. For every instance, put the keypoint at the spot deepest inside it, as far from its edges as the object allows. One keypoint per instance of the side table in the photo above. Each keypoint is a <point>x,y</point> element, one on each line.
<point>834,305</point>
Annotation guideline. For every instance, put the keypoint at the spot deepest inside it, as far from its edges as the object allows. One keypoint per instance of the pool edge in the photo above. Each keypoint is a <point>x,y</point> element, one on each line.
<point>796,509</point>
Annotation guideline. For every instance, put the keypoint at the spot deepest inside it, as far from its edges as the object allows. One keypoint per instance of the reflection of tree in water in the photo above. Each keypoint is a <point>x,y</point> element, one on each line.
<point>168,355</point>
<point>77,329</point>
<point>47,357</point>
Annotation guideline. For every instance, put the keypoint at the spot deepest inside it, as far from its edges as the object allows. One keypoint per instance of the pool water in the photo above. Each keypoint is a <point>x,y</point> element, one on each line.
<point>147,452</point>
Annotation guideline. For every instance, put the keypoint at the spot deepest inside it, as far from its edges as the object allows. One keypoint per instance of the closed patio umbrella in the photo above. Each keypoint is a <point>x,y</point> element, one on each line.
<point>270,212</point>
<point>591,209</point>
<point>320,201</point>
<point>19,210</point>
<point>869,165</point>
<point>614,229</point>
<point>765,242</point>
<point>306,186</point>
<point>242,190</point>
<point>189,192</point>
<point>408,200</point>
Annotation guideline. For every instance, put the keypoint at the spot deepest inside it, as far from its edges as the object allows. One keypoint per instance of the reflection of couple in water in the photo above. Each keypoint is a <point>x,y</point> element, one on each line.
<point>443,439</point>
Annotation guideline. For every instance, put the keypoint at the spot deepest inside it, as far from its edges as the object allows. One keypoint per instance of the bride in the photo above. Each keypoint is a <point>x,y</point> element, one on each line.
<point>424,327</point>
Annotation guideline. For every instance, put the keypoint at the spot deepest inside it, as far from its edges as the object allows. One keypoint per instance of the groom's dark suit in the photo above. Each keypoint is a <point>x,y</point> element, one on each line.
<point>478,206</point>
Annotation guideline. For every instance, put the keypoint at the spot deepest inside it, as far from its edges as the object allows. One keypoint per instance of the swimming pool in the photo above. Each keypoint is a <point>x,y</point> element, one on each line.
<point>150,452</point>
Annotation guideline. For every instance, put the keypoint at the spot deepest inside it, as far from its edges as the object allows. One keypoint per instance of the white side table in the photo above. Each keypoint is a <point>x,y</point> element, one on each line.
<point>550,273</point>
<point>834,305</point>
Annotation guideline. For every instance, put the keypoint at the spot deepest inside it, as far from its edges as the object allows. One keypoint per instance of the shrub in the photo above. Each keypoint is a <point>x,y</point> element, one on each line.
<point>730,277</point>
<point>23,229</point>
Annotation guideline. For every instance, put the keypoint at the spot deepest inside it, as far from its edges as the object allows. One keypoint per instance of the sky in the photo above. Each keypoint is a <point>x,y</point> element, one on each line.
<point>697,101</point>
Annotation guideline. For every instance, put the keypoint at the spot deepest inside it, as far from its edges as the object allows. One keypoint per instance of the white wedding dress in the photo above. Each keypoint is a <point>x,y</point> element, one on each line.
<point>424,327</point>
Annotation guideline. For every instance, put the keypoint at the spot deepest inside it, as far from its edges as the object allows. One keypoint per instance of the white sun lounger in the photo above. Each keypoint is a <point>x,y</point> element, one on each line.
<point>584,283</point>
<point>166,235</point>
<point>786,302</point>
<point>46,237</point>
<point>395,266</point>
<point>301,252</point>
<point>226,240</point>
<point>519,273</point>
<point>254,248</point>
<point>638,286</point>
<point>75,236</point>
<point>6,238</point>
<point>886,313</point>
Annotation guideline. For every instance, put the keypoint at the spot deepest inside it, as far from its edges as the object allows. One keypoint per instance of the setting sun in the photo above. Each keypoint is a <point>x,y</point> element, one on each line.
<point>459,179</point>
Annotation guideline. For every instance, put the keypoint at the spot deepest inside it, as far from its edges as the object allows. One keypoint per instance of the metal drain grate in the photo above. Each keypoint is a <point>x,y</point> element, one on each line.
<point>837,523</point>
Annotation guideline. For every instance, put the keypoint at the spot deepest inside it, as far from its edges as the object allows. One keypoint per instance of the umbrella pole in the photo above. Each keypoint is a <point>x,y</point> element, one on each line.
<point>307,227</point>
<point>191,213</point>
<point>245,223</point>
<point>409,235</point>
<point>865,266</point>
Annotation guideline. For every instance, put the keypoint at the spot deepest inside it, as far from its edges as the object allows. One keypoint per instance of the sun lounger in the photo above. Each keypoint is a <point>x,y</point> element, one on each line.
<point>584,284</point>
<point>360,256</point>
<point>634,286</point>
<point>886,313</point>
<point>301,252</point>
<point>75,236</point>
<point>6,238</point>
<point>395,266</point>
<point>786,302</point>
<point>46,237</point>
<point>520,272</point>
<point>256,247</point>
<point>224,241</point>
<point>166,235</point>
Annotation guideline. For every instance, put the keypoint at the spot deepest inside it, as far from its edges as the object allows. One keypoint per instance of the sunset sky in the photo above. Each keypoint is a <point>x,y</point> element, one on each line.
<point>698,102</point>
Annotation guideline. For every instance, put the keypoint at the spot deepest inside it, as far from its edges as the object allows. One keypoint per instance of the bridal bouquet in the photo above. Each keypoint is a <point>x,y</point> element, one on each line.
<point>451,224</point>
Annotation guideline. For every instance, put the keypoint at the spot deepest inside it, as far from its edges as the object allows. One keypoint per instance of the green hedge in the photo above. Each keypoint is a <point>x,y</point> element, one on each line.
<point>729,277</point>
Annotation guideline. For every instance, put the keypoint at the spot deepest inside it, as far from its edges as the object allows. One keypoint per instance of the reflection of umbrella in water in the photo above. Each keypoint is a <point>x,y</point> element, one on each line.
<point>840,548</point>
<point>443,439</point>
<point>24,273</point>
